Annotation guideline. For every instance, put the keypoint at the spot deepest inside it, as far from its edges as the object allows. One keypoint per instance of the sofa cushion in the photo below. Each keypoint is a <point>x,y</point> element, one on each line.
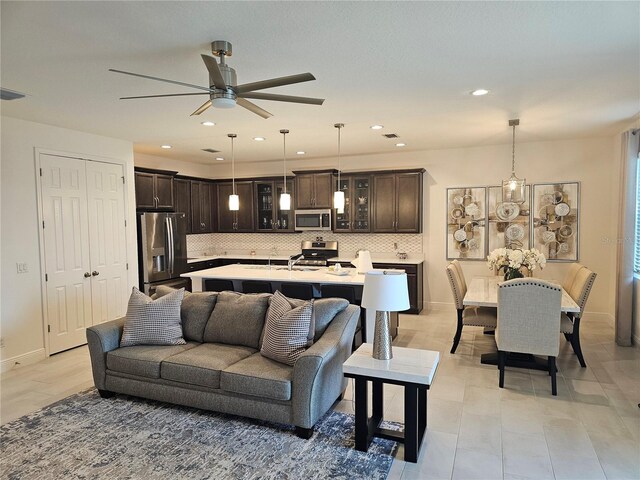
<point>288,330</point>
<point>325,310</point>
<point>195,311</point>
<point>237,319</point>
<point>202,365</point>
<point>258,376</point>
<point>143,360</point>
<point>153,322</point>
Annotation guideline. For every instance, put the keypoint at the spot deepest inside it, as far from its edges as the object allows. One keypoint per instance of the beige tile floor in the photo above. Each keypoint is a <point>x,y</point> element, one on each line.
<point>475,429</point>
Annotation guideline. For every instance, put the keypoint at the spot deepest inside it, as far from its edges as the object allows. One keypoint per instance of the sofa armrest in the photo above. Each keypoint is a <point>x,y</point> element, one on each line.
<point>317,374</point>
<point>102,339</point>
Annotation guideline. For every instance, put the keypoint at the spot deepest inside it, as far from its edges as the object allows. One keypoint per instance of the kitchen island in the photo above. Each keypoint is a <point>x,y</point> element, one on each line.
<point>316,276</point>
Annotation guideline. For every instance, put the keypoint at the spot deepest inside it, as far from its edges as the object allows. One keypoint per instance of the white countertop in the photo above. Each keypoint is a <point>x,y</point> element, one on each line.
<point>407,365</point>
<point>279,274</point>
<point>414,259</point>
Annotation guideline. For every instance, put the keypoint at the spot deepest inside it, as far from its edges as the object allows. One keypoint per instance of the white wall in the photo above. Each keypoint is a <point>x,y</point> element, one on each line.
<point>590,161</point>
<point>21,321</point>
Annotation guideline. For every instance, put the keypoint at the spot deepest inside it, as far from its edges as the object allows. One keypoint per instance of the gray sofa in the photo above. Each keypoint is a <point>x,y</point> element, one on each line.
<point>220,368</point>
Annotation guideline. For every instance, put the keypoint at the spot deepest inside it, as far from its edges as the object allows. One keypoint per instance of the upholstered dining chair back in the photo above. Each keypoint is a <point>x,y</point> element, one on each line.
<point>581,287</point>
<point>529,317</point>
<point>458,266</point>
<point>570,277</point>
<point>458,288</point>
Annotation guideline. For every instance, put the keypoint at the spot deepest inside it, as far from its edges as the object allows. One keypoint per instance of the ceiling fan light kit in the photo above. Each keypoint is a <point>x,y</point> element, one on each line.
<point>224,91</point>
<point>514,189</point>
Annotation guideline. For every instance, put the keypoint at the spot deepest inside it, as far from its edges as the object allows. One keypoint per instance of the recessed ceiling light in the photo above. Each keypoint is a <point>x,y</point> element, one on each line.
<point>401,144</point>
<point>259,139</point>
<point>479,92</point>
<point>219,158</point>
<point>376,127</point>
<point>165,146</point>
<point>208,124</point>
<point>301,152</point>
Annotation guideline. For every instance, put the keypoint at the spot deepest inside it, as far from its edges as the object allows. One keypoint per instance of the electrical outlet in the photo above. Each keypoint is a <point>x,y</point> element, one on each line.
<point>22,267</point>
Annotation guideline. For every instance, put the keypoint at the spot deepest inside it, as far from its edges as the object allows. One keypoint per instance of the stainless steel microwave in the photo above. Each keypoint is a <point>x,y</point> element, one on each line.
<point>319,219</point>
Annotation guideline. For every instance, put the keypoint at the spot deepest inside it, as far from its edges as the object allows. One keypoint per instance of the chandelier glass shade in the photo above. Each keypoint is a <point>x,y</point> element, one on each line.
<point>514,189</point>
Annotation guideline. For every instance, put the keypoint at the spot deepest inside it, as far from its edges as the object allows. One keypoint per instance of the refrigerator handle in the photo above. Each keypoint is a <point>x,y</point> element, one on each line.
<point>170,245</point>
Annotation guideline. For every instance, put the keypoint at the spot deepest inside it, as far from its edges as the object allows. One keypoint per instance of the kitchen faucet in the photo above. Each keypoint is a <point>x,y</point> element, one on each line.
<point>293,259</point>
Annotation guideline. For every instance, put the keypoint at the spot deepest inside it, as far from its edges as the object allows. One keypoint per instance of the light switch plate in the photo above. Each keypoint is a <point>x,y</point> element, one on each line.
<point>22,267</point>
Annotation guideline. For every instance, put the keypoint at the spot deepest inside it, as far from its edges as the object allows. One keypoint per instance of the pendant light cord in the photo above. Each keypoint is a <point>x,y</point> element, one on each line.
<point>513,152</point>
<point>339,127</point>
<point>284,162</point>
<point>233,168</point>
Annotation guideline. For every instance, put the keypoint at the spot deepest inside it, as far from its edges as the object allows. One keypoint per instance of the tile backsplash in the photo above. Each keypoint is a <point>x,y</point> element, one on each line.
<point>287,243</point>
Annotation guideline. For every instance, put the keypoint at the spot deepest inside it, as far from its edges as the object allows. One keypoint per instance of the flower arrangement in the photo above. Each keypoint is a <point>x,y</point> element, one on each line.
<point>512,261</point>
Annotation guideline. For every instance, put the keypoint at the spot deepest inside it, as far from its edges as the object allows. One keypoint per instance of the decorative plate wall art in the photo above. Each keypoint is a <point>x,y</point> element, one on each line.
<point>466,213</point>
<point>508,223</point>
<point>556,209</point>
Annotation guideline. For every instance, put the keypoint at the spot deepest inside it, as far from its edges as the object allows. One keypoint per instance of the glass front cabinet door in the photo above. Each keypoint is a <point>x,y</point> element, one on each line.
<point>270,217</point>
<point>343,220</point>
<point>361,203</point>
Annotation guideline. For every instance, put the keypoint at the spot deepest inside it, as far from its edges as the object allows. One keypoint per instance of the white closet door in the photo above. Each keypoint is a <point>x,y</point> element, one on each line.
<point>66,239</point>
<point>108,248</point>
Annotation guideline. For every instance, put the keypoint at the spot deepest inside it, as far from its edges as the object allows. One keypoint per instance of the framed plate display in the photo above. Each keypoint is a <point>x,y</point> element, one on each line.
<point>466,212</point>
<point>556,217</point>
<point>507,222</point>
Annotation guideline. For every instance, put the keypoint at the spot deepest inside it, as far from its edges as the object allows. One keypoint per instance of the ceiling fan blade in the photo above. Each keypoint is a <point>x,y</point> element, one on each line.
<point>274,82</point>
<point>253,107</point>
<point>167,95</point>
<point>214,72</point>
<point>202,108</point>
<point>282,98</point>
<point>206,89</point>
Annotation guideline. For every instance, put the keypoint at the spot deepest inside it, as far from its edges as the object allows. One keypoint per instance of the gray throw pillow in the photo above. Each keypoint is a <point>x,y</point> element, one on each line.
<point>153,322</point>
<point>287,330</point>
<point>195,311</point>
<point>237,319</point>
<point>325,310</point>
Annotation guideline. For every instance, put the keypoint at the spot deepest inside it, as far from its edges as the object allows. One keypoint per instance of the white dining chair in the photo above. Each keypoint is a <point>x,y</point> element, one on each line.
<point>472,316</point>
<point>570,323</point>
<point>529,322</point>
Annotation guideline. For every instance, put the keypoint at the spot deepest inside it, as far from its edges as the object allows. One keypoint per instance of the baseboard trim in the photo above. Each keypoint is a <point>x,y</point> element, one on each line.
<point>23,359</point>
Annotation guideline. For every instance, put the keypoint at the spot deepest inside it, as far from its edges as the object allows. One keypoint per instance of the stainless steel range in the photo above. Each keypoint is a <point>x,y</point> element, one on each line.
<point>317,252</point>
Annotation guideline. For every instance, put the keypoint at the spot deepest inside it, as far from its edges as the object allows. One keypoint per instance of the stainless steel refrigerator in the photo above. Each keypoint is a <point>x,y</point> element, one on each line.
<point>162,250</point>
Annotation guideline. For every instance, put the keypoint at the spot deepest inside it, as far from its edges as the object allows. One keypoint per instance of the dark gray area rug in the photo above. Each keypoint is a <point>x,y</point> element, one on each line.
<point>87,437</point>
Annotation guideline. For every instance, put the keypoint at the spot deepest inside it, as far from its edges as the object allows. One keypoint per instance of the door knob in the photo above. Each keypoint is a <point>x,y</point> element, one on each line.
<point>87,274</point>
<point>95,274</point>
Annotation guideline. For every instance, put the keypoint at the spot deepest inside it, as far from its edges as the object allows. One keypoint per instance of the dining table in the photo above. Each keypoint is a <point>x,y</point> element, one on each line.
<point>482,291</point>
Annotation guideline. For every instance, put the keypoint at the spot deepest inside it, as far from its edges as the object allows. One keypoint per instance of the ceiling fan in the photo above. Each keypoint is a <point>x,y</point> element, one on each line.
<point>223,90</point>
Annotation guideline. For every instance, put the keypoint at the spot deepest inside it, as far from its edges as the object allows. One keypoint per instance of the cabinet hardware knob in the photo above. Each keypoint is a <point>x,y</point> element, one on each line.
<point>95,273</point>
<point>87,274</point>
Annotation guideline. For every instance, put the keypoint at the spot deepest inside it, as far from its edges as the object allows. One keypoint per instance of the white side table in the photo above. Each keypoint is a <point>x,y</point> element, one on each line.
<point>411,368</point>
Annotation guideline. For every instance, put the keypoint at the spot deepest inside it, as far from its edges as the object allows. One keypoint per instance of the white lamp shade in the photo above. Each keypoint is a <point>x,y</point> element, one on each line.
<point>223,102</point>
<point>385,291</point>
<point>363,262</point>
<point>234,202</point>
<point>338,201</point>
<point>285,201</point>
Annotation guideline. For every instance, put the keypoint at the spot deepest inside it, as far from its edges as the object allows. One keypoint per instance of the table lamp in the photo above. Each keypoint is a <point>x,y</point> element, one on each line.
<point>384,291</point>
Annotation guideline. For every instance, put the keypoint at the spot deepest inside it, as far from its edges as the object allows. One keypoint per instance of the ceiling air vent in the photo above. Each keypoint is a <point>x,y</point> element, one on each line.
<point>390,135</point>
<point>210,150</point>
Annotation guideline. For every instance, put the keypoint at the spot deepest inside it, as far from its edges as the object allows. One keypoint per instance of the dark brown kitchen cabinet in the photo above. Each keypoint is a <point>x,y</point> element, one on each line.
<point>414,281</point>
<point>154,191</point>
<point>182,198</point>
<point>314,189</point>
<point>241,220</point>
<point>269,216</point>
<point>203,207</point>
<point>397,202</point>
<point>357,197</point>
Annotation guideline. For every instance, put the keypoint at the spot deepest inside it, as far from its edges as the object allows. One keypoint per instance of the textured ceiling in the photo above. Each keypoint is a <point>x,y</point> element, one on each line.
<point>566,69</point>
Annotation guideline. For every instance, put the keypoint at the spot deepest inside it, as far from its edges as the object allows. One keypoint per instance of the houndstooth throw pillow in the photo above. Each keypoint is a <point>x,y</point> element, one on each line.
<point>153,322</point>
<point>287,330</point>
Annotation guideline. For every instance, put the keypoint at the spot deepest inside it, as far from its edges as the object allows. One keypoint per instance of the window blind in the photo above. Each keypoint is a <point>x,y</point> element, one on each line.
<point>636,258</point>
